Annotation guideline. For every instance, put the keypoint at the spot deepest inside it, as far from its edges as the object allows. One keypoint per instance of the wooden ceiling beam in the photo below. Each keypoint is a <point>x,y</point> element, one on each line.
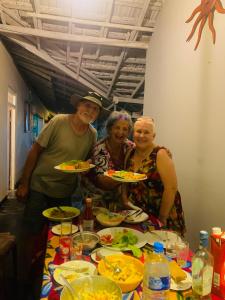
<point>44,56</point>
<point>10,29</point>
<point>87,22</point>
<point>138,88</point>
<point>127,100</point>
<point>13,16</point>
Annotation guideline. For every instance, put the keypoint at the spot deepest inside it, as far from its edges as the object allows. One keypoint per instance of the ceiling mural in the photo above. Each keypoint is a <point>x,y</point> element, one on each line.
<point>68,46</point>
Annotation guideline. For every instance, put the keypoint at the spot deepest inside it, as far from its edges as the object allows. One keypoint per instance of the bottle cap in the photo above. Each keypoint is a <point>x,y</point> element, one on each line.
<point>204,234</point>
<point>88,200</point>
<point>216,230</point>
<point>158,247</point>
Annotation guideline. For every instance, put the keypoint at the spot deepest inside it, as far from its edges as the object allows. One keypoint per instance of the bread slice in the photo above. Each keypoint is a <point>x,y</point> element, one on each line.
<point>176,272</point>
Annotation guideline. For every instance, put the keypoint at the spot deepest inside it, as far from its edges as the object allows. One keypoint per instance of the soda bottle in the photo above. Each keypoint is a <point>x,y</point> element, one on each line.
<point>202,269</point>
<point>88,217</point>
<point>156,282</point>
<point>218,253</point>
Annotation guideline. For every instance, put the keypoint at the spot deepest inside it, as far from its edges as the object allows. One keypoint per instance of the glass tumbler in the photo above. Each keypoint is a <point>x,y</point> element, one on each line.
<point>65,239</point>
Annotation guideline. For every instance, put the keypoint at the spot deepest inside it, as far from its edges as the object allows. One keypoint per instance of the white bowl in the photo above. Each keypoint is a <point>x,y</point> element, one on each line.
<point>94,285</point>
<point>110,219</point>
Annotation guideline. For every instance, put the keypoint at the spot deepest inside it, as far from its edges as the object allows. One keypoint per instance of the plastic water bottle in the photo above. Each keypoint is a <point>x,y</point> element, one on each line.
<point>156,283</point>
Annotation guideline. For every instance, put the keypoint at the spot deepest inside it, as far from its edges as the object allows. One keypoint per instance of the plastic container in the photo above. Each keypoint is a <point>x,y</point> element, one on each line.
<point>218,252</point>
<point>156,282</point>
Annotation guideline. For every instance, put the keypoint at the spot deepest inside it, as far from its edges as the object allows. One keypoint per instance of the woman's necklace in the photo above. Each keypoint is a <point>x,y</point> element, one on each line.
<point>140,156</point>
<point>116,154</point>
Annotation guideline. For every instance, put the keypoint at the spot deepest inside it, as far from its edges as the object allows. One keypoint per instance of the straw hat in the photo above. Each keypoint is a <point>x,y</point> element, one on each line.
<point>94,98</point>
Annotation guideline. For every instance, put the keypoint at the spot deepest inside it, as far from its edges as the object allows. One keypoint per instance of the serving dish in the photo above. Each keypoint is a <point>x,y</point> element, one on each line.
<point>110,238</point>
<point>81,268</point>
<point>54,214</point>
<point>131,273</point>
<point>93,287</point>
<point>110,219</point>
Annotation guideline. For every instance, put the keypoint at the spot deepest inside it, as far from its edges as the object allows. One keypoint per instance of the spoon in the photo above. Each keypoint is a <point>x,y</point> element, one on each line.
<point>71,290</point>
<point>81,233</point>
<point>115,269</point>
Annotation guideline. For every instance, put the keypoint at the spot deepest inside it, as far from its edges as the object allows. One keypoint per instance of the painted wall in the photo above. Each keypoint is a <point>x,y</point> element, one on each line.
<point>10,78</point>
<point>185,93</point>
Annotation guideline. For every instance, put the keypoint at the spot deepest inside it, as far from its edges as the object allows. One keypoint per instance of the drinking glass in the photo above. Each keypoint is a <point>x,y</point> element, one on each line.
<point>76,250</point>
<point>182,252</point>
<point>170,245</point>
<point>65,239</point>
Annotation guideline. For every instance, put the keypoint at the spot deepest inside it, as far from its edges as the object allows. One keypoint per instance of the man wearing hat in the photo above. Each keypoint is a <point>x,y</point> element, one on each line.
<point>66,137</point>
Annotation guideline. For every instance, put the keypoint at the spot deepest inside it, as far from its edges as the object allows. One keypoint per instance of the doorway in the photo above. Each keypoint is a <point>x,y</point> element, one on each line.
<point>11,138</point>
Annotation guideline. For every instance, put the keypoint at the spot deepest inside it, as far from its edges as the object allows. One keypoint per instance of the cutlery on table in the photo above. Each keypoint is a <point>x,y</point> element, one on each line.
<point>60,209</point>
<point>115,269</point>
<point>135,213</point>
<point>71,290</point>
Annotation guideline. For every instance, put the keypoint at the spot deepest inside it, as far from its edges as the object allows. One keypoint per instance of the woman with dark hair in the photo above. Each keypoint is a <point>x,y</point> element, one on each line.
<point>109,153</point>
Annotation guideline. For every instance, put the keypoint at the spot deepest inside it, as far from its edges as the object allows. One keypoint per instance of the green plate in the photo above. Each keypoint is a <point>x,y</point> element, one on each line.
<point>54,214</point>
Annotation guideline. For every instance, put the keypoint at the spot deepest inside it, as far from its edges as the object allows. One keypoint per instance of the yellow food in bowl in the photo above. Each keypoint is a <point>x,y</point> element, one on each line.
<point>131,271</point>
<point>110,219</point>
<point>100,295</point>
<point>93,288</point>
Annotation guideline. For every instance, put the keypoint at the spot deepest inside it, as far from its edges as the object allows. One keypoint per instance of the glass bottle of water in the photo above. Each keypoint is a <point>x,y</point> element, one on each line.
<point>202,269</point>
<point>156,282</point>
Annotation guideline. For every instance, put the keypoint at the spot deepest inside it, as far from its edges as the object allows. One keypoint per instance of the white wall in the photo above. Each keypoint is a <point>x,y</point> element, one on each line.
<point>185,93</point>
<point>10,78</point>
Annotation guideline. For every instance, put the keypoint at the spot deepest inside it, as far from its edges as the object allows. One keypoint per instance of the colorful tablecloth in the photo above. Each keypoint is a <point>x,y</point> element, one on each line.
<point>51,291</point>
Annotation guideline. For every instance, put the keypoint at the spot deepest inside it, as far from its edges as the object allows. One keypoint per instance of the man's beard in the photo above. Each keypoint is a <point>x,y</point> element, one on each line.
<point>86,118</point>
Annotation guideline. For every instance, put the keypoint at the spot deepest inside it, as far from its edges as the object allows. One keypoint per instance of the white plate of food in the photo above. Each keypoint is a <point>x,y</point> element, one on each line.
<point>97,253</point>
<point>125,176</point>
<point>57,229</point>
<point>135,217</point>
<point>73,269</point>
<point>121,238</point>
<point>74,166</point>
<point>167,238</point>
<point>181,285</point>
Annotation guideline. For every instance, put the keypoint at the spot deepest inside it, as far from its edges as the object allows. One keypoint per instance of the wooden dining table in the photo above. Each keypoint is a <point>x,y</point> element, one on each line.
<point>51,290</point>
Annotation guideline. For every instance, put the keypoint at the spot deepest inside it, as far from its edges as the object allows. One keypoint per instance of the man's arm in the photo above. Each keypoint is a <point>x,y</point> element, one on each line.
<point>31,161</point>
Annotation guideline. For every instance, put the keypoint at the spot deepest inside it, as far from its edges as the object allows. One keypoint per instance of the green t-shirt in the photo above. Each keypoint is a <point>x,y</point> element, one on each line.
<point>60,144</point>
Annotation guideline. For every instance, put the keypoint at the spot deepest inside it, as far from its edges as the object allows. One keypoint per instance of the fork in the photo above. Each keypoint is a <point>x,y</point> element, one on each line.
<point>60,209</point>
<point>115,269</point>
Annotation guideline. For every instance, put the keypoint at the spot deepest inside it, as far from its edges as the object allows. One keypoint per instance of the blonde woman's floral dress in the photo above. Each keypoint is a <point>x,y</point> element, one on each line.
<point>147,194</point>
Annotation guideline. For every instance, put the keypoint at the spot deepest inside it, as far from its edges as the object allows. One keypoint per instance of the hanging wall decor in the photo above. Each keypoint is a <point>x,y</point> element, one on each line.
<point>205,12</point>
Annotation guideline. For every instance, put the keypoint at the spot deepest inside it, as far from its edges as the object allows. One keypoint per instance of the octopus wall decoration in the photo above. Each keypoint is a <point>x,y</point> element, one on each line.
<point>205,11</point>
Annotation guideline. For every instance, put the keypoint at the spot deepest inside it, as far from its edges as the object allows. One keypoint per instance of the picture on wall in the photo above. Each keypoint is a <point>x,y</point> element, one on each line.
<point>27,116</point>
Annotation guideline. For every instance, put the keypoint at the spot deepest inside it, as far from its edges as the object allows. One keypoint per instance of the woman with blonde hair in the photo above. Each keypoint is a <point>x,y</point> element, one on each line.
<point>158,194</point>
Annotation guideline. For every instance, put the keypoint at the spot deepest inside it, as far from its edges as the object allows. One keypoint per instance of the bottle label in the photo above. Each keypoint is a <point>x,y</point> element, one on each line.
<point>216,279</point>
<point>159,283</point>
<point>88,225</point>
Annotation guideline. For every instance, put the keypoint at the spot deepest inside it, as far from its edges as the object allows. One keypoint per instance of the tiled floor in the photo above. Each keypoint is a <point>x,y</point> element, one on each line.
<point>11,212</point>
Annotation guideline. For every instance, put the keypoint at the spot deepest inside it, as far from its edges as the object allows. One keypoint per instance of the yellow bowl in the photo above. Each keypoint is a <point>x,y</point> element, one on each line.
<point>131,274</point>
<point>96,286</point>
<point>110,219</point>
